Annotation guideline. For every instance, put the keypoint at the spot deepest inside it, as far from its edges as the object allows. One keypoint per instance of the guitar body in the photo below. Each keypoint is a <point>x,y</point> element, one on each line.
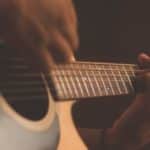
<point>69,137</point>
<point>20,133</point>
<point>54,128</point>
<point>22,90</point>
<point>48,134</point>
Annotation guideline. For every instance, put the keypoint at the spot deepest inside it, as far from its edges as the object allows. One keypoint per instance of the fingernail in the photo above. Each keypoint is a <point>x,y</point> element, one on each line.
<point>72,58</point>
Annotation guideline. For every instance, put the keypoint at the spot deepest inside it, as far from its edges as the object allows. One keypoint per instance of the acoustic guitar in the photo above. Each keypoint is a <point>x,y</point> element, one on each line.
<point>36,108</point>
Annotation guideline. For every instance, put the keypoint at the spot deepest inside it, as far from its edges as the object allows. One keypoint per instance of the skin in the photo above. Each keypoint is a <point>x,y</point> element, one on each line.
<point>131,131</point>
<point>45,31</point>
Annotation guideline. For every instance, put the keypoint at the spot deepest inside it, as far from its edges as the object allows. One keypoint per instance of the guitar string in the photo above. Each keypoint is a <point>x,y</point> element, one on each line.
<point>77,96</point>
<point>16,59</point>
<point>67,67</point>
<point>102,70</point>
<point>6,86</point>
<point>67,98</point>
<point>99,69</point>
<point>79,63</point>
<point>112,65</point>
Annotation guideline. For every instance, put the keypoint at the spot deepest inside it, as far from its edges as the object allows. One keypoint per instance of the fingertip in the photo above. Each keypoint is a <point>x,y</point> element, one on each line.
<point>142,58</point>
<point>61,49</point>
<point>72,58</point>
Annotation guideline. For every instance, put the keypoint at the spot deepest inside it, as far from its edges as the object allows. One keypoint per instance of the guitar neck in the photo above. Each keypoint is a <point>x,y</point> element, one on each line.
<point>88,79</point>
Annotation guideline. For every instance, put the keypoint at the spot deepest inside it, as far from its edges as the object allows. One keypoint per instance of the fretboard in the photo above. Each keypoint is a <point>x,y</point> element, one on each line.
<point>86,80</point>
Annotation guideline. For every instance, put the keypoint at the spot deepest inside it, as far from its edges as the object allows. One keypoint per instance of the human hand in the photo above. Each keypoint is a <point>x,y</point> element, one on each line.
<point>45,30</point>
<point>132,130</point>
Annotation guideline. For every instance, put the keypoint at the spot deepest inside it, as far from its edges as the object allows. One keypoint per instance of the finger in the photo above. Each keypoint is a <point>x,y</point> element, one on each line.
<point>38,55</point>
<point>69,29</point>
<point>128,122</point>
<point>38,58</point>
<point>73,15</point>
<point>126,126</point>
<point>68,25</point>
<point>64,21</point>
<point>43,61</point>
<point>70,33</point>
<point>60,47</point>
<point>144,60</point>
<point>33,45</point>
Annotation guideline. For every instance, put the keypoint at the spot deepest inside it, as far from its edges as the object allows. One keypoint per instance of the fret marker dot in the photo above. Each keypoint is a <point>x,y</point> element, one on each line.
<point>108,89</point>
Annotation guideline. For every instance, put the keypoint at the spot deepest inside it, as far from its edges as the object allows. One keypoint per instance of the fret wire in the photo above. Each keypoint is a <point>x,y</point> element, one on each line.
<point>93,81</point>
<point>109,88</point>
<point>60,86</point>
<point>118,77</point>
<point>72,82</point>
<point>110,80</point>
<point>84,83</point>
<point>131,72</point>
<point>90,83</point>
<point>129,79</point>
<point>124,85</point>
<point>103,78</point>
<point>103,83</point>
<point>66,75</point>
<point>97,83</point>
<point>78,82</point>
<point>115,79</point>
<point>67,85</point>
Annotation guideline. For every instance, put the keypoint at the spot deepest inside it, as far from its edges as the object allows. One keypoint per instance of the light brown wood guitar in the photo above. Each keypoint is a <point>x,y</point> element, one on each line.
<point>24,91</point>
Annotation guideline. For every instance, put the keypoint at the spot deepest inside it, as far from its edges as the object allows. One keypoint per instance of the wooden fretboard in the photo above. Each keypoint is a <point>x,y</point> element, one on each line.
<point>86,79</point>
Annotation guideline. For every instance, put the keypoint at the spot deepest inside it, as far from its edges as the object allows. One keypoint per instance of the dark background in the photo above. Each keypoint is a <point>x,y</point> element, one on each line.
<point>115,30</point>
